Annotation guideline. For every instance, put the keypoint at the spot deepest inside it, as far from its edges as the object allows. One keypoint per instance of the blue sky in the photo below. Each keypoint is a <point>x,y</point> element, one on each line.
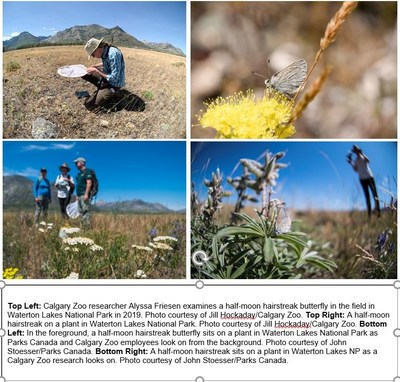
<point>318,176</point>
<point>152,21</point>
<point>151,171</point>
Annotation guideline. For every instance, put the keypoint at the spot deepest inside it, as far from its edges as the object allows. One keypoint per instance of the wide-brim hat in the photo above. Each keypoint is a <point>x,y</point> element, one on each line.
<point>64,165</point>
<point>80,159</point>
<point>92,45</point>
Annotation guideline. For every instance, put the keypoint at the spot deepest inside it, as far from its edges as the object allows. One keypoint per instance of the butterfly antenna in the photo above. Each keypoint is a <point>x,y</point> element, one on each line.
<point>258,74</point>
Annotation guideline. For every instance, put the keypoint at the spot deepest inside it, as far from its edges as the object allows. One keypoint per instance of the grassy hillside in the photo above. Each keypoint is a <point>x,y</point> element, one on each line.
<point>117,250</point>
<point>32,89</point>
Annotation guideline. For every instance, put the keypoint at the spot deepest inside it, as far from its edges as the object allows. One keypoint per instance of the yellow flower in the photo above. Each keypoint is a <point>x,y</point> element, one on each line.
<point>10,273</point>
<point>245,117</point>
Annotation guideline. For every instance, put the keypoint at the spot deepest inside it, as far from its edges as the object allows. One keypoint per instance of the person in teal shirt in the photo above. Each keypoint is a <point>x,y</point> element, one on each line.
<point>108,77</point>
<point>42,194</point>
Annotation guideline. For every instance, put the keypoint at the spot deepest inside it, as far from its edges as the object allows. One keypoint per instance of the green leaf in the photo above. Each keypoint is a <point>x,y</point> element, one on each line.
<point>269,250</point>
<point>241,230</point>
<point>239,271</point>
<point>216,253</point>
<point>293,238</point>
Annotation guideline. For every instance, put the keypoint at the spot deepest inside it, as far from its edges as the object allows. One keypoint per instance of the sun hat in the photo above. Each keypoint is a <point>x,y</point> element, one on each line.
<point>92,45</point>
<point>64,165</point>
<point>80,159</point>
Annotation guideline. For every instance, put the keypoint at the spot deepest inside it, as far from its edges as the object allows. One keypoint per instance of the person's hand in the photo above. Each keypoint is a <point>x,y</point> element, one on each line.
<point>85,198</point>
<point>92,70</point>
<point>36,200</point>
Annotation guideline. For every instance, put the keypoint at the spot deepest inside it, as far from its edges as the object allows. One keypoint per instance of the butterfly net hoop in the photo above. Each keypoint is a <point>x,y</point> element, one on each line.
<point>72,210</point>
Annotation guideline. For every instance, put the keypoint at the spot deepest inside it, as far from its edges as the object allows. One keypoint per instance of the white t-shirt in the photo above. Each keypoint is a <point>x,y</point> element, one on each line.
<point>362,168</point>
<point>63,186</point>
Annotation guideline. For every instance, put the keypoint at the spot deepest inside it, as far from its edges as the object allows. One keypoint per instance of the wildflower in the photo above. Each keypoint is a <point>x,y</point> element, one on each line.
<point>70,230</point>
<point>243,116</point>
<point>162,246</point>
<point>165,238</point>
<point>381,241</point>
<point>43,223</point>
<point>96,247</point>
<point>140,274</point>
<point>73,276</point>
<point>153,233</point>
<point>143,249</point>
<point>11,273</point>
<point>78,240</point>
<point>41,230</point>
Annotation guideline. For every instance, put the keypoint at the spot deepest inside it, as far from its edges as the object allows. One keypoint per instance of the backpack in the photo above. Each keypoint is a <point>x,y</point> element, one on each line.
<point>95,184</point>
<point>72,186</point>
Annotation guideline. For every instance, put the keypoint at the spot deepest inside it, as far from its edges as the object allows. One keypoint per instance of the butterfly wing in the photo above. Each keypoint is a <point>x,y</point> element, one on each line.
<point>288,80</point>
<point>283,221</point>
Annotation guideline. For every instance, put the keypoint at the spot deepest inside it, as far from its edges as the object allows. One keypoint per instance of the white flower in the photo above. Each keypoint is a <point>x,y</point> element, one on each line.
<point>78,240</point>
<point>69,230</point>
<point>140,248</point>
<point>165,238</point>
<point>73,276</point>
<point>96,247</point>
<point>41,230</point>
<point>140,274</point>
<point>43,223</point>
<point>162,246</point>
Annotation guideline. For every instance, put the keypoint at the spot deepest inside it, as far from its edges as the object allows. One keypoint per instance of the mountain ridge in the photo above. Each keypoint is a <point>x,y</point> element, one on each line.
<point>18,193</point>
<point>80,34</point>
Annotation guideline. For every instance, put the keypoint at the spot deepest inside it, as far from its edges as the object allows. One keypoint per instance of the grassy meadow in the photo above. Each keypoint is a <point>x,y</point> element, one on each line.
<point>32,88</point>
<point>118,246</point>
<point>362,247</point>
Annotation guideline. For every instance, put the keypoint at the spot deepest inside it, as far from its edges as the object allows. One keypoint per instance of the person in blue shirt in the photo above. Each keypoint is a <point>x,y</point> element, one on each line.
<point>42,194</point>
<point>108,76</point>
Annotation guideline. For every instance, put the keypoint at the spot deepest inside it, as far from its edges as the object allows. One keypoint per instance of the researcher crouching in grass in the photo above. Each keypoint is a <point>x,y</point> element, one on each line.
<point>108,76</point>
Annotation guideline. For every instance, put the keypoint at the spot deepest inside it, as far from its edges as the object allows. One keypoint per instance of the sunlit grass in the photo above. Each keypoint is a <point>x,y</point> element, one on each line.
<point>105,251</point>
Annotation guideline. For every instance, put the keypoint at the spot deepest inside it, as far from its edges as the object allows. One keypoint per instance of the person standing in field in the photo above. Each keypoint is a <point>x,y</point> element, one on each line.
<point>108,76</point>
<point>84,181</point>
<point>65,187</point>
<point>42,194</point>
<point>361,166</point>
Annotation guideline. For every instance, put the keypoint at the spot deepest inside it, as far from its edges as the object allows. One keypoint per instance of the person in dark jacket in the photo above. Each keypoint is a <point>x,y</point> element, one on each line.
<point>361,165</point>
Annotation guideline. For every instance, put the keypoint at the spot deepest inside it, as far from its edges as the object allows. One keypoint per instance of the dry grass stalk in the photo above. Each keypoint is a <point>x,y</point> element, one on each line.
<point>330,33</point>
<point>334,25</point>
<point>311,93</point>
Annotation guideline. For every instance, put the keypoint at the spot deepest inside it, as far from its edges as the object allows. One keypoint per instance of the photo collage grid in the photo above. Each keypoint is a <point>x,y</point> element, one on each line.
<point>199,140</point>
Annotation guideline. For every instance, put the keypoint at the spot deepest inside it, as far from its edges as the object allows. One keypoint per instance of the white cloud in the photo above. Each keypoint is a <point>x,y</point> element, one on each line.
<point>27,172</point>
<point>53,146</point>
<point>34,148</point>
<point>13,34</point>
<point>50,30</point>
